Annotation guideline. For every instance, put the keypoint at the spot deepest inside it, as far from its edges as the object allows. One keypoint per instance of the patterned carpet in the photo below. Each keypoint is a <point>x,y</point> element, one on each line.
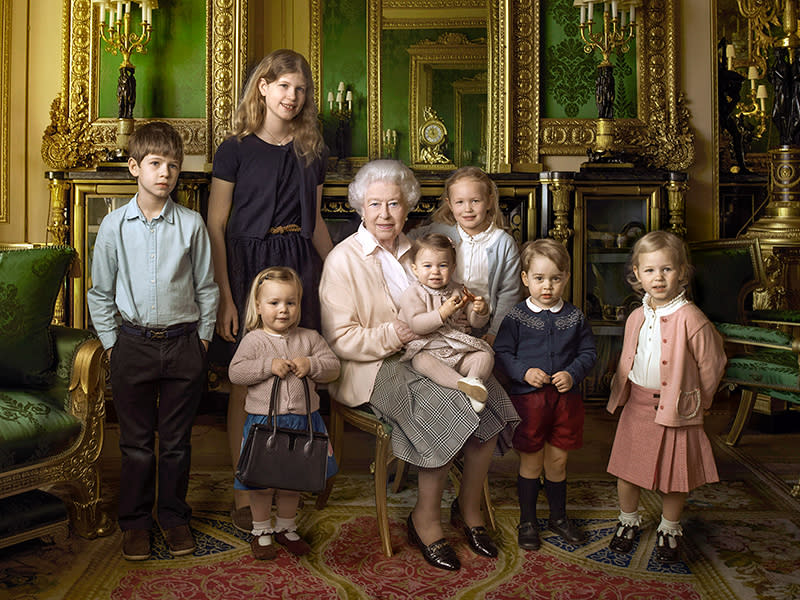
<point>742,541</point>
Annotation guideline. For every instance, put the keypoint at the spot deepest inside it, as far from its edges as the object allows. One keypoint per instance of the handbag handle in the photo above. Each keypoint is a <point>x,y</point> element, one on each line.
<point>273,416</point>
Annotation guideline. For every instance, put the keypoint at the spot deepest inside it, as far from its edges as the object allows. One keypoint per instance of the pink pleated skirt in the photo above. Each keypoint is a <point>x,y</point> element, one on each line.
<point>655,457</point>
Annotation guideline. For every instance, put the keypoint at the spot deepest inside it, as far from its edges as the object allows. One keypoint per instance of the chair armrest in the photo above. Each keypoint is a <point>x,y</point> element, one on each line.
<point>80,369</point>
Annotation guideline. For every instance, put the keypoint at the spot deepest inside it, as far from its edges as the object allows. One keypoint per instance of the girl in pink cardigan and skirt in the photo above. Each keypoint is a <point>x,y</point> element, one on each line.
<point>671,364</point>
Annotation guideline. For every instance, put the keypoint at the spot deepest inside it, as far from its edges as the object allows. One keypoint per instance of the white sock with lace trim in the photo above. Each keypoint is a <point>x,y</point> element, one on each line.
<point>263,529</point>
<point>670,527</point>
<point>288,527</point>
<point>631,519</point>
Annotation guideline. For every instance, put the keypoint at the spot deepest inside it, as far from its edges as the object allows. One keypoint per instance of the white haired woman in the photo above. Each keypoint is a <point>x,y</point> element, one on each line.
<point>362,281</point>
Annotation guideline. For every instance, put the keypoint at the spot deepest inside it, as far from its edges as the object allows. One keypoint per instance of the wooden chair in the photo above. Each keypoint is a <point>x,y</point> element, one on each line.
<point>363,419</point>
<point>763,353</point>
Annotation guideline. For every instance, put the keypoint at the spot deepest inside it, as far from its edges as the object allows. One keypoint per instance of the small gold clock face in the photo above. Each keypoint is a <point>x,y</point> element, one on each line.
<point>432,133</point>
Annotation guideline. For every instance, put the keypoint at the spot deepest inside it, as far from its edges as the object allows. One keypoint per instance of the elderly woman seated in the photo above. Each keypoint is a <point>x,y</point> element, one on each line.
<point>362,281</point>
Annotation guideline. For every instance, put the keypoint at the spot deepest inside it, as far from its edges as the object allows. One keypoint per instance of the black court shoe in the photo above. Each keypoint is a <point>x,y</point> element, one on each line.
<point>478,537</point>
<point>440,554</point>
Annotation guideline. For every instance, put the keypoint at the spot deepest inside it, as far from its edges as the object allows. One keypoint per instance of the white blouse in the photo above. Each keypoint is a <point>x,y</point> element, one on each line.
<point>646,370</point>
<point>395,274</point>
<point>472,266</point>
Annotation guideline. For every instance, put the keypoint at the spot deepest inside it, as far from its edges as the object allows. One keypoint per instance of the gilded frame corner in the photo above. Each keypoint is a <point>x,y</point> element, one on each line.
<point>226,55</point>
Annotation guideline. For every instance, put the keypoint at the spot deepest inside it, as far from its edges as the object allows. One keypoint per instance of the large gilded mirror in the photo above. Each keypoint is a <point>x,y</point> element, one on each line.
<point>220,76</point>
<point>519,133</point>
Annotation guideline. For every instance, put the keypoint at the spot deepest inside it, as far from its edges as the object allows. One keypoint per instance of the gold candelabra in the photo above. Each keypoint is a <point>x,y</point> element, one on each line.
<point>341,108</point>
<point>389,143</point>
<point>120,39</point>
<point>617,28</point>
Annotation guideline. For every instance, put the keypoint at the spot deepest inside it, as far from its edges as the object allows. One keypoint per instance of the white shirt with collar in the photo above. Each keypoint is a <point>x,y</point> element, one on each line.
<point>537,309</point>
<point>472,267</point>
<point>646,370</point>
<point>395,274</point>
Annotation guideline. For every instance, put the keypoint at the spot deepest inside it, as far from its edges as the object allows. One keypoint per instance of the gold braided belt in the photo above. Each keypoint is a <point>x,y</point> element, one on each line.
<point>284,229</point>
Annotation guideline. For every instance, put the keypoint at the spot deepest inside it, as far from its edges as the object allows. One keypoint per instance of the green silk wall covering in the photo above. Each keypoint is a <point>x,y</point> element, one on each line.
<point>568,74</point>
<point>171,77</point>
<point>444,104</point>
<point>344,58</point>
<point>395,64</point>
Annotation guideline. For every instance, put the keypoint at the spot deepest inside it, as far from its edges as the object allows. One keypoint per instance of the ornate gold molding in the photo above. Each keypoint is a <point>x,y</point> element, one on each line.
<point>661,130</point>
<point>444,4</point>
<point>5,105</point>
<point>226,51</point>
<point>433,23</point>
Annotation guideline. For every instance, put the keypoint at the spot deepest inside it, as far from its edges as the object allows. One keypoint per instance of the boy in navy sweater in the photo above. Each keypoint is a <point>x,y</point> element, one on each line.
<point>545,346</point>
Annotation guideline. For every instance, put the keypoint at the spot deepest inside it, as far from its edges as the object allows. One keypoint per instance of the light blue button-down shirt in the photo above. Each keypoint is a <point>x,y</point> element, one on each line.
<point>154,274</point>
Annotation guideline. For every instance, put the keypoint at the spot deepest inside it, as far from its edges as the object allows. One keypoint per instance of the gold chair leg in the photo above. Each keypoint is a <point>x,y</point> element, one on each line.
<point>383,449</point>
<point>399,476</point>
<point>746,403</point>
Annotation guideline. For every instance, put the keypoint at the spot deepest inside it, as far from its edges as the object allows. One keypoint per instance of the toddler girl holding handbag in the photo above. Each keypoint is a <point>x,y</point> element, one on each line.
<point>273,349</point>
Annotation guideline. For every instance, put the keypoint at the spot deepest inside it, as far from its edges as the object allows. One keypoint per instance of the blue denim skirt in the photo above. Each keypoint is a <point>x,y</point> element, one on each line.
<point>290,421</point>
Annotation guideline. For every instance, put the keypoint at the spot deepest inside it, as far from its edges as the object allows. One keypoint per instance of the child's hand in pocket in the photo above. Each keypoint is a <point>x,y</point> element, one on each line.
<point>281,367</point>
<point>301,365</point>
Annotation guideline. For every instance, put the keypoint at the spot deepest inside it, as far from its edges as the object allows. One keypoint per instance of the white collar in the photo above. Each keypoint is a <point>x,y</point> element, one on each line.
<point>665,309</point>
<point>537,309</point>
<point>479,238</point>
<point>369,243</point>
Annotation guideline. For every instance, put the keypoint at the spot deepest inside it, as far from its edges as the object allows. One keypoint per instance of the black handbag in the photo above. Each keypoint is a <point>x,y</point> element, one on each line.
<point>285,459</point>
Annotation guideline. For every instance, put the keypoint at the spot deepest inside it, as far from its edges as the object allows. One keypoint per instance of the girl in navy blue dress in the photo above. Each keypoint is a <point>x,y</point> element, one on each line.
<point>264,208</point>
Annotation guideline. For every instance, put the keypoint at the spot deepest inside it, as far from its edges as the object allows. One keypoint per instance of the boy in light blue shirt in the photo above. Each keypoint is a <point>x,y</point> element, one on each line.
<point>153,304</point>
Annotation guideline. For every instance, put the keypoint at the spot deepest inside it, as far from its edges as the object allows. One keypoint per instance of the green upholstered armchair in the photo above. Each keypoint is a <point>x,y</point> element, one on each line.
<point>51,400</point>
<point>762,351</point>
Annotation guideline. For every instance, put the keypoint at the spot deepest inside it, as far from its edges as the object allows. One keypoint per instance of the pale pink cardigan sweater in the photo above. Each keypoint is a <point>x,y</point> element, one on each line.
<point>692,363</point>
<point>357,315</point>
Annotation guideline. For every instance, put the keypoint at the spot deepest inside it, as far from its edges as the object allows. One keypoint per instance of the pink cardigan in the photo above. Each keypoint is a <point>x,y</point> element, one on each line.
<point>692,364</point>
<point>357,315</point>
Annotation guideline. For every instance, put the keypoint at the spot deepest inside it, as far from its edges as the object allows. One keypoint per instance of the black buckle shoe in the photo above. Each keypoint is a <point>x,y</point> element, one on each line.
<point>478,537</point>
<point>528,536</point>
<point>665,552</point>
<point>624,537</point>
<point>440,554</point>
<point>568,530</point>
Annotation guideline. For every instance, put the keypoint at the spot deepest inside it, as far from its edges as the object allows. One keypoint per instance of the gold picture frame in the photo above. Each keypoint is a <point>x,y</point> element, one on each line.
<point>226,56</point>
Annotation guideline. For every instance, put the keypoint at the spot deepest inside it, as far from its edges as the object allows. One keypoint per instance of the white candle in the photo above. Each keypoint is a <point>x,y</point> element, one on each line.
<point>633,13</point>
<point>583,14</point>
<point>730,51</point>
<point>349,98</point>
<point>119,11</point>
<point>614,10</point>
<point>341,86</point>
<point>128,7</point>
<point>102,12</point>
<point>590,12</point>
<point>622,18</point>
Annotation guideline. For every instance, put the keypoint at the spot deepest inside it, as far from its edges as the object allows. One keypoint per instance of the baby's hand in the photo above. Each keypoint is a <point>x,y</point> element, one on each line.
<point>563,381</point>
<point>479,305</point>
<point>536,377</point>
<point>301,365</point>
<point>451,305</point>
<point>281,367</point>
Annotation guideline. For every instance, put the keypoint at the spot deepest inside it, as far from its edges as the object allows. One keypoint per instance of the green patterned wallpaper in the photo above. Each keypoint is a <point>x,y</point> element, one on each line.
<point>171,77</point>
<point>568,73</point>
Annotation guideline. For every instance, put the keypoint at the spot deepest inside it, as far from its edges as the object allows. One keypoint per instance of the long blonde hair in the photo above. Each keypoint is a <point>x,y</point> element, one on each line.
<point>444,213</point>
<point>250,114</point>
<point>252,320</point>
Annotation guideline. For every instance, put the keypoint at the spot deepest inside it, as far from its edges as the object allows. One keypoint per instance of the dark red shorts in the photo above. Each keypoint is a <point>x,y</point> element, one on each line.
<point>549,416</point>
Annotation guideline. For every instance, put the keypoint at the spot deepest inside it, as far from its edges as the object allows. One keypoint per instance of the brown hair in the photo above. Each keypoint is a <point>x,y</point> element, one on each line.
<point>252,319</point>
<point>653,242</point>
<point>249,116</point>
<point>444,214</point>
<point>433,241</point>
<point>155,137</point>
<point>549,248</point>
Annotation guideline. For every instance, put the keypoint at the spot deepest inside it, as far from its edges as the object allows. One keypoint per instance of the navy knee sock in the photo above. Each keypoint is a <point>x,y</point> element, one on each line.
<point>556,498</point>
<point>528,490</point>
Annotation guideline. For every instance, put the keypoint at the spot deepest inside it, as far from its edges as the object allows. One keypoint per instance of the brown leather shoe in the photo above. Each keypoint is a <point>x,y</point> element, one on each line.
<point>180,540</point>
<point>268,552</point>
<point>136,544</point>
<point>298,547</point>
<point>242,519</point>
